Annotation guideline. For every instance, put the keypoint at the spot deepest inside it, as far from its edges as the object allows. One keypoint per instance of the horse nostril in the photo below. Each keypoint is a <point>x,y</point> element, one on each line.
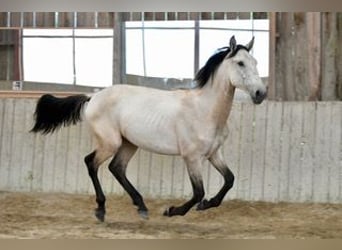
<point>259,96</point>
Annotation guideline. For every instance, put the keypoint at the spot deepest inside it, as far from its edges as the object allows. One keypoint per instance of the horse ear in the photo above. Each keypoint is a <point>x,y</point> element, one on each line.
<point>232,43</point>
<point>249,46</point>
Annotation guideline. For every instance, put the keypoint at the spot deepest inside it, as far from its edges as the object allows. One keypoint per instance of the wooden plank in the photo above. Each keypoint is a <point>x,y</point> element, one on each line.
<point>85,19</point>
<point>231,15</point>
<point>28,19</point>
<point>73,159</point>
<point>321,167</point>
<point>136,16</point>
<point>126,16</point>
<point>15,160</point>
<point>285,145</point>
<point>8,36</point>
<point>274,117</point>
<point>28,143</point>
<point>284,54</point>
<point>206,15</point>
<point>38,166</point>
<point>178,177</point>
<point>66,19</point>
<point>3,19</point>
<point>215,181</point>
<point>300,58</point>
<point>183,16</point>
<point>160,16</point>
<point>335,153</point>
<point>246,152</point>
<point>45,19</point>
<point>60,154</point>
<point>6,143</point>
<point>148,16</point>
<point>166,179</point>
<point>119,61</point>
<point>295,157</point>
<point>33,94</point>
<point>144,171</point>
<point>218,15</point>
<point>105,19</point>
<point>308,152</point>
<point>260,15</point>
<point>232,146</point>
<point>329,47</point>
<point>84,184</point>
<point>314,55</point>
<point>15,19</point>
<point>194,15</point>
<point>259,142</point>
<point>339,56</point>
<point>49,162</point>
<point>271,92</point>
<point>244,15</point>
<point>156,167</point>
<point>171,16</point>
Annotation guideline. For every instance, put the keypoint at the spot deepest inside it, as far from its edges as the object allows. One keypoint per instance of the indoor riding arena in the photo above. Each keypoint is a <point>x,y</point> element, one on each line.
<point>284,149</point>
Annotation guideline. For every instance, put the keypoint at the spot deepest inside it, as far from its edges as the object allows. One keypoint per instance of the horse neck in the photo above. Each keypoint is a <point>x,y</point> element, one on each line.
<point>218,97</point>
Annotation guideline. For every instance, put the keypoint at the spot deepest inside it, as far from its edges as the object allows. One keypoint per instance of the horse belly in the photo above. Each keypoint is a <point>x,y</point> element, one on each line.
<point>152,140</point>
<point>151,132</point>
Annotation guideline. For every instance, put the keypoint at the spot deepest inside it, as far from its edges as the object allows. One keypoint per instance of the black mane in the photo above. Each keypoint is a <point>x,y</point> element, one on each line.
<point>213,62</point>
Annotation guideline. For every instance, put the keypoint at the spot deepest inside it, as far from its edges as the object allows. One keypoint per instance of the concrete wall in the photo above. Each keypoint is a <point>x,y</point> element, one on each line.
<point>278,151</point>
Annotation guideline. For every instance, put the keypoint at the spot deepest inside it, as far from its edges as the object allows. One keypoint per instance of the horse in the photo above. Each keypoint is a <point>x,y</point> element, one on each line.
<point>190,122</point>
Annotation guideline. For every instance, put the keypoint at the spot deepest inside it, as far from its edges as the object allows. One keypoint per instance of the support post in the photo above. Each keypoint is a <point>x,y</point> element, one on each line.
<point>119,55</point>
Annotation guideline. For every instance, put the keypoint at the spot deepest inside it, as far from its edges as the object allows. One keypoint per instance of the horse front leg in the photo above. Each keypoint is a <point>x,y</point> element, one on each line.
<point>218,162</point>
<point>193,167</point>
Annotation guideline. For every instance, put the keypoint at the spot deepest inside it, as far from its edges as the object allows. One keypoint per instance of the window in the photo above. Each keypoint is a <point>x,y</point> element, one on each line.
<point>166,48</point>
<point>82,57</point>
<point>160,49</point>
<point>153,48</point>
<point>47,56</point>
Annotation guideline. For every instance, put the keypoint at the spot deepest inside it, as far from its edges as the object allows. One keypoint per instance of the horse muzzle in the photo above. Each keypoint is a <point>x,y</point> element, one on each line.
<point>258,96</point>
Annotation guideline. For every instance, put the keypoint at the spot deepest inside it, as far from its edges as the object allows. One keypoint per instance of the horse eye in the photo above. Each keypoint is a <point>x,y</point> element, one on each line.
<point>241,64</point>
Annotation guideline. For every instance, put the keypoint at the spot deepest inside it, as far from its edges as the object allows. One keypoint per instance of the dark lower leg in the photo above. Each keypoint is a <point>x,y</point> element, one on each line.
<point>118,169</point>
<point>100,197</point>
<point>217,199</point>
<point>198,194</point>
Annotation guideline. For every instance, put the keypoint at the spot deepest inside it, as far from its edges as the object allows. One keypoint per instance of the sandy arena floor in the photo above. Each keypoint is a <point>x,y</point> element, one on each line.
<point>36,215</point>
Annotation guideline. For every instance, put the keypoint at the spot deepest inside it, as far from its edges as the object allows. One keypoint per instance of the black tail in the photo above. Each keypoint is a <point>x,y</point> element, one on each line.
<point>53,112</point>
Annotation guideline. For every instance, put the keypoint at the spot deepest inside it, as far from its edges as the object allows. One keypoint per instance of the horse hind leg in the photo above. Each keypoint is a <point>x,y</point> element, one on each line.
<point>93,161</point>
<point>118,168</point>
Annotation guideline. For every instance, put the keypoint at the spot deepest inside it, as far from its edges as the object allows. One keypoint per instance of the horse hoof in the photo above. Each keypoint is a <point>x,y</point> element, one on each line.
<point>204,204</point>
<point>143,214</point>
<point>100,214</point>
<point>168,212</point>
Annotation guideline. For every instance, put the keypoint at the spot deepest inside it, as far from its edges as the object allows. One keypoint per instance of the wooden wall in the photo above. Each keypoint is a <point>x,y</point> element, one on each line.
<point>107,19</point>
<point>279,151</point>
<point>306,56</point>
